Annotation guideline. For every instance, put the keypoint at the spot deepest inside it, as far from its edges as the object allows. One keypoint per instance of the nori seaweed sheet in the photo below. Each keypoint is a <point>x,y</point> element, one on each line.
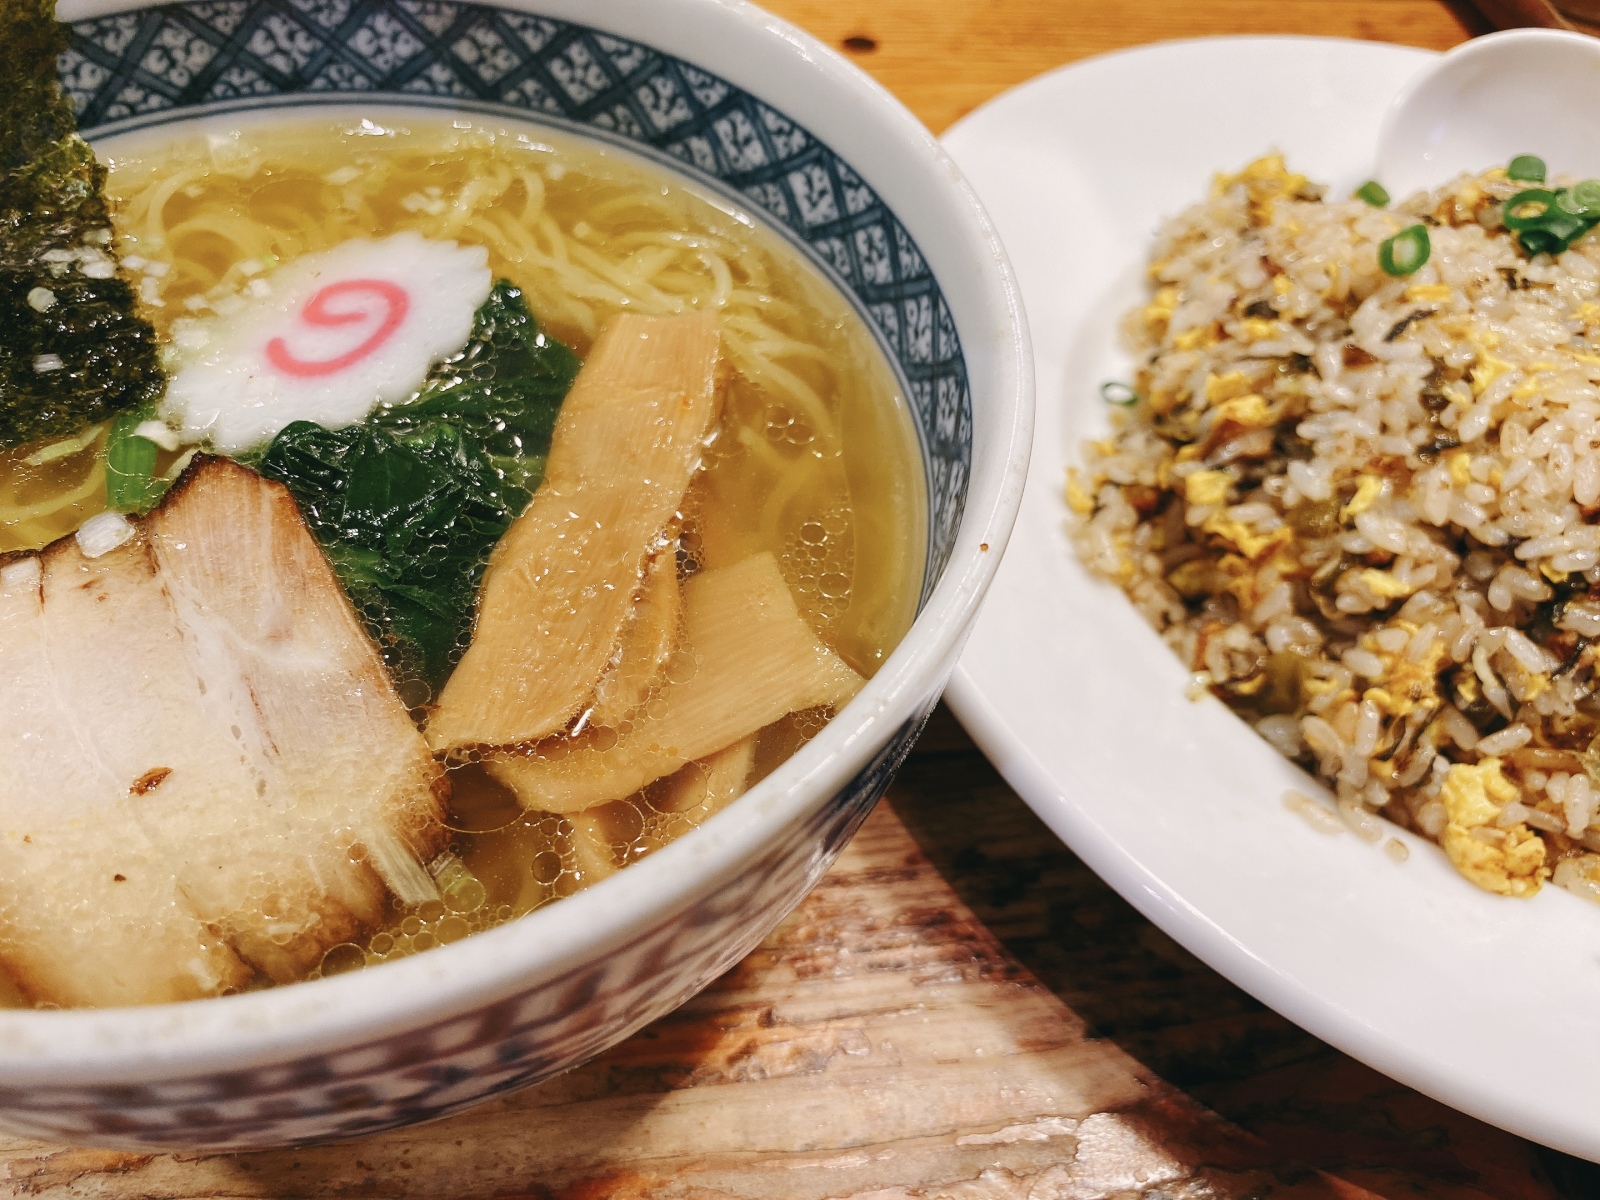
<point>52,206</point>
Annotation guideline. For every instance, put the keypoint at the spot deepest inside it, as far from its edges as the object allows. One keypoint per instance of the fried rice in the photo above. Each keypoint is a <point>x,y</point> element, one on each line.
<point>1365,509</point>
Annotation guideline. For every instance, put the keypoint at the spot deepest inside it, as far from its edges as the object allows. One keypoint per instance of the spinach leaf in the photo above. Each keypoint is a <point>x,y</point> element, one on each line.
<point>75,349</point>
<point>504,387</point>
<point>409,504</point>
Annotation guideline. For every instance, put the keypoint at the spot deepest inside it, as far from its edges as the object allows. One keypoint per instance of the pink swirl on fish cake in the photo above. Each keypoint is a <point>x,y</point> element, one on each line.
<point>318,312</point>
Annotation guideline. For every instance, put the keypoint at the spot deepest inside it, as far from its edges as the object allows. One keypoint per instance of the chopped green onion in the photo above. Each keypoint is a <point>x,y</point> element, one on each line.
<point>1373,193</point>
<point>131,483</point>
<point>1405,252</point>
<point>1586,196</point>
<point>1528,168</point>
<point>1528,209</point>
<point>1541,241</point>
<point>1565,225</point>
<point>1561,220</point>
<point>1568,203</point>
<point>1547,222</point>
<point>1119,394</point>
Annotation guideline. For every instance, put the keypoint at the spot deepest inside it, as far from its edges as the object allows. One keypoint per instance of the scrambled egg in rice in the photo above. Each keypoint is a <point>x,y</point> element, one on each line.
<point>1357,489</point>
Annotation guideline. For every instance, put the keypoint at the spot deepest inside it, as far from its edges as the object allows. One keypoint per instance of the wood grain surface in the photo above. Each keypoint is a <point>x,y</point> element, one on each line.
<point>943,59</point>
<point>961,1009</point>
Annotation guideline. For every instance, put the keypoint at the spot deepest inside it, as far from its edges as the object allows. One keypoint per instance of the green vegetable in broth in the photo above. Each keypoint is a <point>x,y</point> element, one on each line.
<point>505,388</point>
<point>409,504</point>
<point>405,524</point>
<point>131,482</point>
<point>75,351</point>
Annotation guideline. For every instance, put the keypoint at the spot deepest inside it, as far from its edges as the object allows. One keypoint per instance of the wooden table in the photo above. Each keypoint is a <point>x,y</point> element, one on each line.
<point>962,1009</point>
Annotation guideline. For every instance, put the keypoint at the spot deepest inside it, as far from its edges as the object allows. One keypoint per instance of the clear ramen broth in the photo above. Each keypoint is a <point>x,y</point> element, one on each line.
<point>814,458</point>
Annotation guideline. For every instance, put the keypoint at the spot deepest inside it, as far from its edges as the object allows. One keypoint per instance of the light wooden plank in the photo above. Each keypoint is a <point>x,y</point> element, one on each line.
<point>945,59</point>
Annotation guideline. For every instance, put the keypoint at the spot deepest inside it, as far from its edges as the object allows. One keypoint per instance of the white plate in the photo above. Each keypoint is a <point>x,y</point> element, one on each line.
<point>1485,1003</point>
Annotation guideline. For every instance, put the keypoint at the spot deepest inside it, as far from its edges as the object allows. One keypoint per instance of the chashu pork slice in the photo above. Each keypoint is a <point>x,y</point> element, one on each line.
<point>90,910</point>
<point>348,801</point>
<point>561,584</point>
<point>205,764</point>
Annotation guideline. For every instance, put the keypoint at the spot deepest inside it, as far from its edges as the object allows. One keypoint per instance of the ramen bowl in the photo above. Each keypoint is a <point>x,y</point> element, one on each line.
<point>745,107</point>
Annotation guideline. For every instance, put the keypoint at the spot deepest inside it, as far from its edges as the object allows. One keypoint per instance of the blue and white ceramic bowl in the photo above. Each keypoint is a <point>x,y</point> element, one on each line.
<point>742,103</point>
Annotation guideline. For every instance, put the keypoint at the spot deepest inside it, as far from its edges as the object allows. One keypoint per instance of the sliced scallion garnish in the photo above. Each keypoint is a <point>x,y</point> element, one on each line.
<point>1541,241</point>
<point>131,483</point>
<point>1569,203</point>
<point>1406,252</point>
<point>1586,196</point>
<point>1565,226</point>
<point>1526,168</point>
<point>1528,209</point>
<point>1120,394</point>
<point>1547,222</point>
<point>1373,193</point>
